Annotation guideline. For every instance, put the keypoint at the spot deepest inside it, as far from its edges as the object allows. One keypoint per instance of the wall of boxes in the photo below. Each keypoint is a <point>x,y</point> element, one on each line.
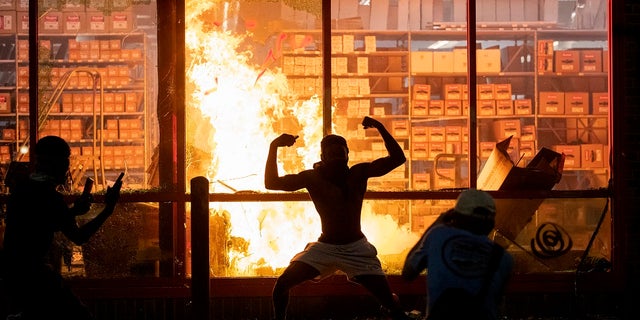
<point>537,84</point>
<point>93,48</point>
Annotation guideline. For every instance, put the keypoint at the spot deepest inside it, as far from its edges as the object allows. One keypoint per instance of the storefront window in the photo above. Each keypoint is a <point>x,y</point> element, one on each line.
<point>538,120</point>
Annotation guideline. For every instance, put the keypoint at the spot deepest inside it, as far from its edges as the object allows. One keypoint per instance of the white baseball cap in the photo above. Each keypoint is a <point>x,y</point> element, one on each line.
<point>471,199</point>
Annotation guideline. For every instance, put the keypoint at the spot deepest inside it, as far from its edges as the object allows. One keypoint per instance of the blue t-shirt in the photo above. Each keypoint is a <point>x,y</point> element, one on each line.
<point>456,258</point>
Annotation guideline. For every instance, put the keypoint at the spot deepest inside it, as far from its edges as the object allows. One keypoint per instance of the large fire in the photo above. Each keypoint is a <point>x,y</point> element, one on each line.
<point>245,105</point>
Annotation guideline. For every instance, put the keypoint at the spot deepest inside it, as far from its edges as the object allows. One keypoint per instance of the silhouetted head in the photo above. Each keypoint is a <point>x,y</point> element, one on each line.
<point>334,148</point>
<point>475,211</point>
<point>52,157</point>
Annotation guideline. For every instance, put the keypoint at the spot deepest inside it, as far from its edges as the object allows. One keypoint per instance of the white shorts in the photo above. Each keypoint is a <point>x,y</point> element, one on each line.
<point>354,259</point>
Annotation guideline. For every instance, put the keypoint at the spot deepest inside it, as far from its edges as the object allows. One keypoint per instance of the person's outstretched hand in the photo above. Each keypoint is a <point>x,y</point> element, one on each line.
<point>284,140</point>
<point>113,194</point>
<point>369,122</point>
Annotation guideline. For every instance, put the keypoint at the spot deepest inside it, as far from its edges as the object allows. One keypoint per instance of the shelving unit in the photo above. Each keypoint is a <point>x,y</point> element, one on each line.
<point>418,91</point>
<point>101,109</point>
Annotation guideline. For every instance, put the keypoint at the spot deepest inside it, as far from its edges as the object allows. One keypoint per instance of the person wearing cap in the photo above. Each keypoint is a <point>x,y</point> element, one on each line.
<point>459,257</point>
<point>36,211</point>
<point>337,191</point>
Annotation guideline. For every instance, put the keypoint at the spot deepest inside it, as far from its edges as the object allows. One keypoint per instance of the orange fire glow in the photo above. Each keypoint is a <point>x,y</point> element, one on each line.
<point>246,105</point>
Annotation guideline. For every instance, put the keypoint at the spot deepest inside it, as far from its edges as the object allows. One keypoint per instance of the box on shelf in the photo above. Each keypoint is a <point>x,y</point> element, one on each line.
<point>600,103</point>
<point>442,61</point>
<point>545,64</point>
<point>436,148</point>
<point>592,155</point>
<point>486,91</point>
<point>74,22</point>
<point>436,107</point>
<point>400,128</point>
<point>502,91</point>
<point>551,102</point>
<point>572,155</point>
<point>528,133</point>
<point>488,61</point>
<point>421,91</point>
<point>460,60</point>
<point>421,181</point>
<point>97,22</point>
<point>7,22</point>
<point>522,106</point>
<point>419,107</point>
<point>527,149</point>
<point>419,134</point>
<point>545,47</point>
<point>419,150</point>
<point>486,107</point>
<point>453,134</point>
<point>453,107</point>
<point>453,91</point>
<point>590,60</point>
<point>500,173</point>
<point>421,61</point>
<point>437,134</point>
<point>567,61</point>
<point>503,129</point>
<point>5,102</point>
<point>576,103</point>
<point>50,22</point>
<point>504,107</point>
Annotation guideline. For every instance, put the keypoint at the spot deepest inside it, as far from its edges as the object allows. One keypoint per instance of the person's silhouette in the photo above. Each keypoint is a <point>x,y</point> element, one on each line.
<point>337,191</point>
<point>35,212</point>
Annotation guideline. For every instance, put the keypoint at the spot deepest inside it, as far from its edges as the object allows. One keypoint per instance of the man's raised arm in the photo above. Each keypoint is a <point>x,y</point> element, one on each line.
<point>272,179</point>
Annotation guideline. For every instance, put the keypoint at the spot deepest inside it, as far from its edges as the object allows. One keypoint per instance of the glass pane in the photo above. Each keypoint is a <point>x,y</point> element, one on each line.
<point>97,89</point>
<point>561,235</point>
<point>127,245</point>
<point>547,90</point>
<point>254,71</point>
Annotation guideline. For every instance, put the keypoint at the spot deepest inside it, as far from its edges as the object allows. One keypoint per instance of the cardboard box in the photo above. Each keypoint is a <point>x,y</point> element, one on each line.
<point>419,107</point>
<point>419,134</point>
<point>600,103</point>
<point>527,149</point>
<point>503,129</point>
<point>486,91</point>
<point>437,134</point>
<point>443,61</point>
<point>421,62</point>
<point>567,61</point>
<point>460,60</point>
<point>502,91</point>
<point>50,23</point>
<point>436,148</point>
<point>5,103</point>
<point>419,150</point>
<point>528,133</point>
<point>545,64</point>
<point>436,107</point>
<point>453,91</point>
<point>543,172</point>
<point>592,155</point>
<point>504,107</point>
<point>421,181</point>
<point>486,107</point>
<point>591,60</point>
<point>488,61</point>
<point>97,22</point>
<point>576,103</point>
<point>453,107</point>
<point>74,22</point>
<point>400,128</point>
<point>572,155</point>
<point>7,22</point>
<point>545,47</point>
<point>485,148</point>
<point>453,134</point>
<point>421,91</point>
<point>551,102</point>
<point>522,106</point>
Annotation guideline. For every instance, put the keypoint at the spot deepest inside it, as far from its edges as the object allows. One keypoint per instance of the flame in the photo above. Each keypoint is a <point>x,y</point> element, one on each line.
<point>246,105</point>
